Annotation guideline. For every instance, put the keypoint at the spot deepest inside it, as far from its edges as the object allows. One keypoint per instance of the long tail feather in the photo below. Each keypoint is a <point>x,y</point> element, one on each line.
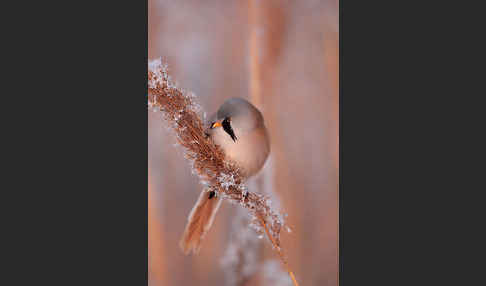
<point>199,222</point>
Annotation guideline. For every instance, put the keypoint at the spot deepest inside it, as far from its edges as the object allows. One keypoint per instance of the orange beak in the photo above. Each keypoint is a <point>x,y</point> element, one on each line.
<point>216,124</point>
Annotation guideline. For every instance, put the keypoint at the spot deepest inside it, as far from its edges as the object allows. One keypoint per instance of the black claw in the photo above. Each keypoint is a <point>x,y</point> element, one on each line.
<point>212,194</point>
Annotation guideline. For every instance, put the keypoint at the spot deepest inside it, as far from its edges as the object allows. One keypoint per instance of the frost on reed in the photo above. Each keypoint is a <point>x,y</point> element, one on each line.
<point>208,161</point>
<point>242,259</point>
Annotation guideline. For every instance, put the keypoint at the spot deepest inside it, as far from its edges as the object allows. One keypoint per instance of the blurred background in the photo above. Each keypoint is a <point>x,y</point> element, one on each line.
<point>283,57</point>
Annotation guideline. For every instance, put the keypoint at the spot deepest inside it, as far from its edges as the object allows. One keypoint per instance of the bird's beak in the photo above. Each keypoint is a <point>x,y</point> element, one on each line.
<point>216,124</point>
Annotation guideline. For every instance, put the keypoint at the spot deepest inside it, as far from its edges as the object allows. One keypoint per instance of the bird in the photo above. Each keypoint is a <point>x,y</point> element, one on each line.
<point>238,128</point>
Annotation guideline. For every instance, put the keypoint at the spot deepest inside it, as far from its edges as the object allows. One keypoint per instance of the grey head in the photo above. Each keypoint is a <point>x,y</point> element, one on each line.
<point>237,116</point>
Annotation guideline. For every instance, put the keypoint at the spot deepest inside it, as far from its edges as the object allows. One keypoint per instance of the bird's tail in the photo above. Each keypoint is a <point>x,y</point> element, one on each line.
<point>199,222</point>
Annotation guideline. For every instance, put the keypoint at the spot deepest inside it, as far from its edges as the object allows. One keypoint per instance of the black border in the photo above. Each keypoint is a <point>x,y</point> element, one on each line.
<point>79,84</point>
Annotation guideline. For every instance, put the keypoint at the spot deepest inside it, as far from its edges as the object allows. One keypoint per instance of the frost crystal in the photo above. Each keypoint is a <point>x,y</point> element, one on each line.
<point>160,73</point>
<point>226,180</point>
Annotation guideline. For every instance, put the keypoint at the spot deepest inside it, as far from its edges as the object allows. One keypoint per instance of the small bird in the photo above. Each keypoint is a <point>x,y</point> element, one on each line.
<point>238,128</point>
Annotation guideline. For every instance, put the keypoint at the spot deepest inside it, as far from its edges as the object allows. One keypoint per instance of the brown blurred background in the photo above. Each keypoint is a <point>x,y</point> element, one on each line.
<point>283,56</point>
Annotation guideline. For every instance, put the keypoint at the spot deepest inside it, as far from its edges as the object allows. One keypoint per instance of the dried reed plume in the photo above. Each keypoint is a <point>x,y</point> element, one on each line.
<point>208,160</point>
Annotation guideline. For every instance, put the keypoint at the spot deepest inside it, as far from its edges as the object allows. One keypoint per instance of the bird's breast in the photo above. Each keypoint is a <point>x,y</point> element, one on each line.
<point>249,151</point>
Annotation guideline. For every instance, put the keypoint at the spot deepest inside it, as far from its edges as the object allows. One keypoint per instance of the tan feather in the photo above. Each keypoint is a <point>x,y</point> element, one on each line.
<point>199,222</point>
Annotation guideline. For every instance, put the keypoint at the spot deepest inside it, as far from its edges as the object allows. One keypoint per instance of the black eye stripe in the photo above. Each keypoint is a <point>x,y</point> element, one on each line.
<point>227,127</point>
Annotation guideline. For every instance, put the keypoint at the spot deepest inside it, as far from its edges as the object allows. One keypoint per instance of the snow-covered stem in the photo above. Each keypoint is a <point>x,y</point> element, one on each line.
<point>208,160</point>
